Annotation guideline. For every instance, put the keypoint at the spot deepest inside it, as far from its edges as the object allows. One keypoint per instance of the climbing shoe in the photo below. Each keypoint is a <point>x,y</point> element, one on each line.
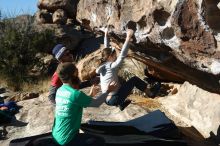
<point>154,90</point>
<point>124,104</point>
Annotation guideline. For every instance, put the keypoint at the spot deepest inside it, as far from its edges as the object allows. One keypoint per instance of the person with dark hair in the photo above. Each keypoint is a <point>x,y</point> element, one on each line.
<point>62,54</point>
<point>69,107</point>
<point>108,71</point>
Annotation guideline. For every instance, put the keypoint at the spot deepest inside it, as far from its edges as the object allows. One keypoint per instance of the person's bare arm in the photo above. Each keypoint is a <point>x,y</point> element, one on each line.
<point>106,41</point>
<point>124,50</point>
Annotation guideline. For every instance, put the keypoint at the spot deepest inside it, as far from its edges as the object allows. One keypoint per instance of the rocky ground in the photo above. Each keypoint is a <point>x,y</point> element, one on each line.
<point>36,115</point>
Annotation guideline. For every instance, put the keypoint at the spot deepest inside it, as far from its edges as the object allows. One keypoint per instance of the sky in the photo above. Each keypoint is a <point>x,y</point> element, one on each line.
<point>11,8</point>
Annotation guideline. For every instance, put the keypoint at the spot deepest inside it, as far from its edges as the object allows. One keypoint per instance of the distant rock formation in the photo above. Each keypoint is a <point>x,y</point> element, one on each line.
<point>59,11</point>
<point>60,16</point>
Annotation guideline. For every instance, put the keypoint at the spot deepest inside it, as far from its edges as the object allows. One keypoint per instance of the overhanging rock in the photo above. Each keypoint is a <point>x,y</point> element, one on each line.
<point>177,38</point>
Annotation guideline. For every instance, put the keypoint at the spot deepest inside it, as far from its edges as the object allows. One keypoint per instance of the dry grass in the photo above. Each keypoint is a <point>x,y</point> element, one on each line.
<point>40,86</point>
<point>147,103</point>
<point>3,82</point>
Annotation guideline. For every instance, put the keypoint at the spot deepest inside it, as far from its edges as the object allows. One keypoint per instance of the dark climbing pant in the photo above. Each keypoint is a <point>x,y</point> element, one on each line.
<point>126,89</point>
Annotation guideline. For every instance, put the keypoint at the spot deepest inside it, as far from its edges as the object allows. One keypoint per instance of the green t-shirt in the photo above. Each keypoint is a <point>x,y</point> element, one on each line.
<point>68,113</point>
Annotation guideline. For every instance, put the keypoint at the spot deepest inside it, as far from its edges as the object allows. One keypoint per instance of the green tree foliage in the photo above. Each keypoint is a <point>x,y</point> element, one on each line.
<point>19,44</point>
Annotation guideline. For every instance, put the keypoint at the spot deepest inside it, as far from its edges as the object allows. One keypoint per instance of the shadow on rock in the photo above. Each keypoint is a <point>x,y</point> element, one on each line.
<point>88,46</point>
<point>194,138</point>
<point>215,138</point>
<point>16,123</point>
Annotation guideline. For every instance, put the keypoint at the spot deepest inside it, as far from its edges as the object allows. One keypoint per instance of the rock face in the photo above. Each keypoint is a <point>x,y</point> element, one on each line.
<point>196,107</point>
<point>180,39</point>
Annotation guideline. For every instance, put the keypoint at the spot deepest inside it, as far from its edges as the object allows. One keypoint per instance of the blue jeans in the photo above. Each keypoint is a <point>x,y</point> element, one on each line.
<point>125,90</point>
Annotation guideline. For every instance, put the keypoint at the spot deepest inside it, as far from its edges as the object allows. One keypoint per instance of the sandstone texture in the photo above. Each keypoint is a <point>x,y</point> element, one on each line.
<point>179,39</point>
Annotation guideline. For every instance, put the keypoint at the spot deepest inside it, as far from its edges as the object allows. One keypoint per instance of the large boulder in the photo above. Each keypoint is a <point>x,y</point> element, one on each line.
<point>68,35</point>
<point>88,65</point>
<point>43,16</point>
<point>196,107</point>
<point>180,39</point>
<point>59,17</point>
<point>70,6</point>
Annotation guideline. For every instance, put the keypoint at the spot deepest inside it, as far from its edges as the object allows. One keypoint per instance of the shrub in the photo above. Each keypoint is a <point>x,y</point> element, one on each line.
<point>19,44</point>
